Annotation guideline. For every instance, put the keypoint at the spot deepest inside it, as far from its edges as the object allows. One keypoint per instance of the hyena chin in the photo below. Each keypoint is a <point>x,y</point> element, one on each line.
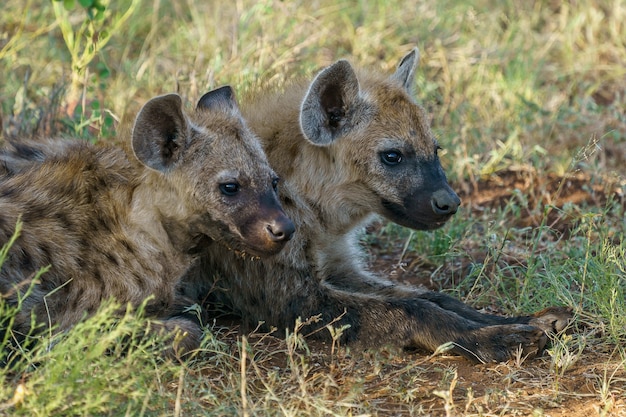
<point>128,224</point>
<point>350,145</point>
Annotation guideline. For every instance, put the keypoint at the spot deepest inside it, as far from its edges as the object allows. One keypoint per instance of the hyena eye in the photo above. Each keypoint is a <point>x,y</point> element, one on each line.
<point>392,157</point>
<point>275,182</point>
<point>229,188</point>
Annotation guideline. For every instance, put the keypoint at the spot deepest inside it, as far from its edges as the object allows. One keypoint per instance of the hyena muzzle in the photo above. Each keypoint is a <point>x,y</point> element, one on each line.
<point>350,145</point>
<point>128,224</point>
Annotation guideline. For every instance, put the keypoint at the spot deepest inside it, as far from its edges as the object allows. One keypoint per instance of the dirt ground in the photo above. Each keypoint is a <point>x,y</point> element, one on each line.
<point>397,383</point>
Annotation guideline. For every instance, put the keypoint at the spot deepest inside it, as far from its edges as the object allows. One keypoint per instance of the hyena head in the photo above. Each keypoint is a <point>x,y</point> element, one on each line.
<point>380,137</point>
<point>216,165</point>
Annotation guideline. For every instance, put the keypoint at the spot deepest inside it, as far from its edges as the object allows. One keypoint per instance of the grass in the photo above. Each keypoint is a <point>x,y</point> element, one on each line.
<point>520,93</point>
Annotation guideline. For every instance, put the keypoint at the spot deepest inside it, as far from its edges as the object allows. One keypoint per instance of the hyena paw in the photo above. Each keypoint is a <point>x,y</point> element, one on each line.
<point>552,319</point>
<point>500,343</point>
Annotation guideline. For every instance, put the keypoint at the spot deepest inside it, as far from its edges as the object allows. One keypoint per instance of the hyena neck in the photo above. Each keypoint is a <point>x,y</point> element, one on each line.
<point>157,214</point>
<point>327,188</point>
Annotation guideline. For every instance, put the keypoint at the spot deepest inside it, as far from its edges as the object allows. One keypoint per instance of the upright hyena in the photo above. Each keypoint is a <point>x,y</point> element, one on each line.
<point>116,225</point>
<point>351,145</point>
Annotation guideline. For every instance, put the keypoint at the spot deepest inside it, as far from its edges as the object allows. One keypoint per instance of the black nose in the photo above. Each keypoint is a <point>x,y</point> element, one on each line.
<point>281,229</point>
<point>445,202</point>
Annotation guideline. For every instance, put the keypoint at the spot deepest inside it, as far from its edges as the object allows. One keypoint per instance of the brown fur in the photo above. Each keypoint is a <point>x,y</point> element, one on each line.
<point>128,224</point>
<point>348,146</point>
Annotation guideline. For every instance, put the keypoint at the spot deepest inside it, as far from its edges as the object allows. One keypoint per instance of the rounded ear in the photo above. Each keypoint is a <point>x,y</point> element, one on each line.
<point>325,110</point>
<point>405,72</point>
<point>220,98</point>
<point>159,132</point>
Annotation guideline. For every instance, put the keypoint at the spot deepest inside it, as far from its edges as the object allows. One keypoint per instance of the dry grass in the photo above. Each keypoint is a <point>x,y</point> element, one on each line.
<point>529,100</point>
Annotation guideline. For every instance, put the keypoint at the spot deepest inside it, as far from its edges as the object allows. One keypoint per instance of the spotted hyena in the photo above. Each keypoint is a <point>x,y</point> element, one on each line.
<point>127,224</point>
<point>350,145</point>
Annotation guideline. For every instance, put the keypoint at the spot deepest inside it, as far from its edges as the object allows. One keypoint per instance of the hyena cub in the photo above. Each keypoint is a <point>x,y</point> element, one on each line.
<point>351,145</point>
<point>127,225</point>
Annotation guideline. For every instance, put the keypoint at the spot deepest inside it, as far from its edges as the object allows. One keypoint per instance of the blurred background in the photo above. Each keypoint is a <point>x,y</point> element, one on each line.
<point>507,83</point>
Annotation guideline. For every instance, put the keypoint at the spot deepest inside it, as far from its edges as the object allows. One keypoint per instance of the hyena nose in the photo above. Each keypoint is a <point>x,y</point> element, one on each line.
<point>281,229</point>
<point>445,202</point>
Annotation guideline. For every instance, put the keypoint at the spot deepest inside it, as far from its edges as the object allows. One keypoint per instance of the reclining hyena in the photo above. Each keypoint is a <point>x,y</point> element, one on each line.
<point>351,145</point>
<point>127,224</point>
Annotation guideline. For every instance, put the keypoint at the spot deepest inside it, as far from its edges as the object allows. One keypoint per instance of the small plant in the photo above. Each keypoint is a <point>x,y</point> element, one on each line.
<point>336,333</point>
<point>84,41</point>
<point>566,350</point>
<point>607,396</point>
<point>447,395</point>
<point>10,353</point>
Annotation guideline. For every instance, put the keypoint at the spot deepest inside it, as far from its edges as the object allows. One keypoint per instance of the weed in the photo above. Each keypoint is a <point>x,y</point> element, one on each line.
<point>86,40</point>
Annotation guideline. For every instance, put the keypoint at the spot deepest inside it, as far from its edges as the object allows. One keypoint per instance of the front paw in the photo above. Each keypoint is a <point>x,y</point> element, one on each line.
<point>552,319</point>
<point>500,343</point>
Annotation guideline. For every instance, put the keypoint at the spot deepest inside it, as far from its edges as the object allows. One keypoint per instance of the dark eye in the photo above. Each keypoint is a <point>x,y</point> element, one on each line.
<point>275,182</point>
<point>229,188</point>
<point>392,157</point>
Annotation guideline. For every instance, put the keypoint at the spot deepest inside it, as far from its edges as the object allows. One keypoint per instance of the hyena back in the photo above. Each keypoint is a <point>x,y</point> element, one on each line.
<point>351,145</point>
<point>127,224</point>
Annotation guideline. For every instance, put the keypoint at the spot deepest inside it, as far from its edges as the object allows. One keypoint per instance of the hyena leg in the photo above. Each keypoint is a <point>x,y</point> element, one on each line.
<point>378,321</point>
<point>550,320</point>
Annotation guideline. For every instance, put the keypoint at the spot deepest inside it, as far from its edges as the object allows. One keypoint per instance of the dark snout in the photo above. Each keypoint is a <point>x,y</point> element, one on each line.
<point>427,206</point>
<point>280,229</point>
<point>445,202</point>
<point>268,228</point>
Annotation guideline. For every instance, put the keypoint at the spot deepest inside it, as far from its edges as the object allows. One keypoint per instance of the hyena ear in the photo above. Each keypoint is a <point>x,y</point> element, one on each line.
<point>405,73</point>
<point>220,98</point>
<point>329,102</point>
<point>160,131</point>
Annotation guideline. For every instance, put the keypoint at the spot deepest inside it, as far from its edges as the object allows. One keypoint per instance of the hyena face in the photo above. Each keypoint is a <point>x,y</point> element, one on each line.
<point>231,199</point>
<point>383,138</point>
